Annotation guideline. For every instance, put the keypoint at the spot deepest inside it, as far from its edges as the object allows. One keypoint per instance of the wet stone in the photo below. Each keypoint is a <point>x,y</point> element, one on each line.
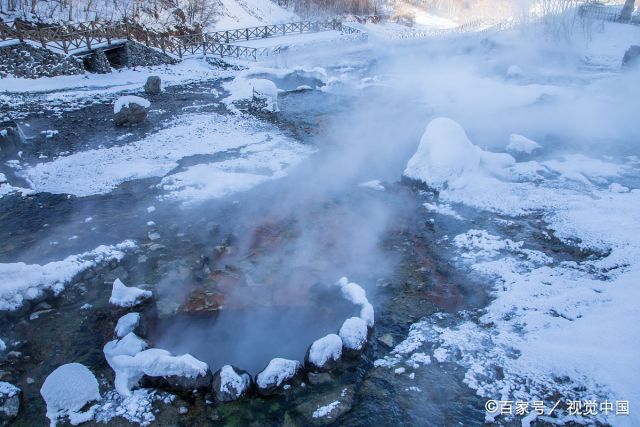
<point>387,340</point>
<point>326,408</point>
<point>9,402</point>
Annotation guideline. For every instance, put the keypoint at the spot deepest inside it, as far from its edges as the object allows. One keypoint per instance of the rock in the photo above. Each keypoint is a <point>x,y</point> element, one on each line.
<point>353,332</point>
<point>9,402</point>
<point>279,375</point>
<point>130,110</point>
<point>179,383</point>
<point>11,139</point>
<point>316,378</point>
<point>68,389</point>
<point>231,383</point>
<point>326,408</point>
<point>97,62</point>
<point>324,354</point>
<point>153,86</point>
<point>631,57</point>
<point>387,340</point>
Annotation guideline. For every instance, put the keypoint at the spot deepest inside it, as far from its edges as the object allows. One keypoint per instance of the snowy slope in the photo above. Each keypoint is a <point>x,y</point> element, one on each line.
<point>250,13</point>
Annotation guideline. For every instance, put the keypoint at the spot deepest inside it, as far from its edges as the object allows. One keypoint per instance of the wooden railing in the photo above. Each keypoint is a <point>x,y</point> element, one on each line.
<point>86,36</point>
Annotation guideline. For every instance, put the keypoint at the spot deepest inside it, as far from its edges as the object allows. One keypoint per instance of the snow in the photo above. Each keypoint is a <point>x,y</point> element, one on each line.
<point>325,349</point>
<point>8,390</point>
<point>357,295</point>
<point>21,282</point>
<point>278,371</point>
<point>325,411</point>
<point>240,14</point>
<point>521,144</point>
<point>130,360</point>
<point>353,333</point>
<point>67,389</point>
<point>125,101</point>
<point>374,184</point>
<point>100,171</point>
<point>233,383</point>
<point>127,324</point>
<point>3,346</point>
<point>514,71</point>
<point>127,296</point>
<point>247,89</point>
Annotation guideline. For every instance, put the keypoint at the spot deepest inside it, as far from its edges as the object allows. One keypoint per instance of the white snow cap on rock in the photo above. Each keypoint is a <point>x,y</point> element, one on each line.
<point>67,389</point>
<point>278,371</point>
<point>125,101</point>
<point>354,333</point>
<point>357,295</point>
<point>127,296</point>
<point>446,154</point>
<point>514,71</point>
<point>130,361</point>
<point>267,90</point>
<point>521,144</point>
<point>233,383</point>
<point>325,349</point>
<point>127,324</point>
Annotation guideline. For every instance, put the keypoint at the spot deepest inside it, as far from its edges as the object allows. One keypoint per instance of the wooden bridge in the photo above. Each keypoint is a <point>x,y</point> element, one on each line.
<point>84,37</point>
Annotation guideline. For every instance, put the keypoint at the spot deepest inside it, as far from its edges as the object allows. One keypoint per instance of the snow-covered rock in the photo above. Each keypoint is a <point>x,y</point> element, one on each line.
<point>324,353</point>
<point>126,324</point>
<point>153,85</point>
<point>353,333</point>
<point>265,92</point>
<point>357,295</point>
<point>20,281</point>
<point>231,383</point>
<point>68,389</point>
<point>278,375</point>
<point>521,145</point>
<point>130,110</point>
<point>131,361</point>
<point>9,402</point>
<point>3,346</point>
<point>127,296</point>
<point>446,155</point>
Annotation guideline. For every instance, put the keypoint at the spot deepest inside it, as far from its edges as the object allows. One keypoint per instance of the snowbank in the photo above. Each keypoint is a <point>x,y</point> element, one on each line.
<point>446,155</point>
<point>125,101</point>
<point>127,296</point>
<point>353,333</point>
<point>521,144</point>
<point>127,324</point>
<point>20,281</point>
<point>67,389</point>
<point>324,350</point>
<point>354,293</point>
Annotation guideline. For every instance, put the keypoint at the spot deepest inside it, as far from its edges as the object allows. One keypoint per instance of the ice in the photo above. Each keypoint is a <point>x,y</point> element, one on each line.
<point>68,389</point>
<point>357,295</point>
<point>325,349</point>
<point>277,371</point>
<point>127,296</point>
<point>353,333</point>
<point>20,281</point>
<point>127,324</point>
<point>125,101</point>
<point>521,144</point>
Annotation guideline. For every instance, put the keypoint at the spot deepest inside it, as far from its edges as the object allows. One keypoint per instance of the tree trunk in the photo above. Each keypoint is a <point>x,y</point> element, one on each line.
<point>627,10</point>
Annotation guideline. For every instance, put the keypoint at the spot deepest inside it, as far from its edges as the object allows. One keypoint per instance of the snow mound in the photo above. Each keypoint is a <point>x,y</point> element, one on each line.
<point>446,154</point>
<point>130,361</point>
<point>267,91</point>
<point>278,371</point>
<point>514,71</point>
<point>20,281</point>
<point>243,88</point>
<point>521,144</point>
<point>67,389</point>
<point>127,296</point>
<point>354,333</point>
<point>357,295</point>
<point>233,383</point>
<point>125,101</point>
<point>325,349</point>
<point>127,324</point>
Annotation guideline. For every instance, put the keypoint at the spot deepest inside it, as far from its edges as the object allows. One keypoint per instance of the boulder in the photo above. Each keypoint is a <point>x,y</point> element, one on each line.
<point>179,383</point>
<point>325,408</point>
<point>353,332</point>
<point>324,354</point>
<point>11,139</point>
<point>153,86</point>
<point>231,383</point>
<point>9,402</point>
<point>279,375</point>
<point>631,57</point>
<point>130,110</point>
